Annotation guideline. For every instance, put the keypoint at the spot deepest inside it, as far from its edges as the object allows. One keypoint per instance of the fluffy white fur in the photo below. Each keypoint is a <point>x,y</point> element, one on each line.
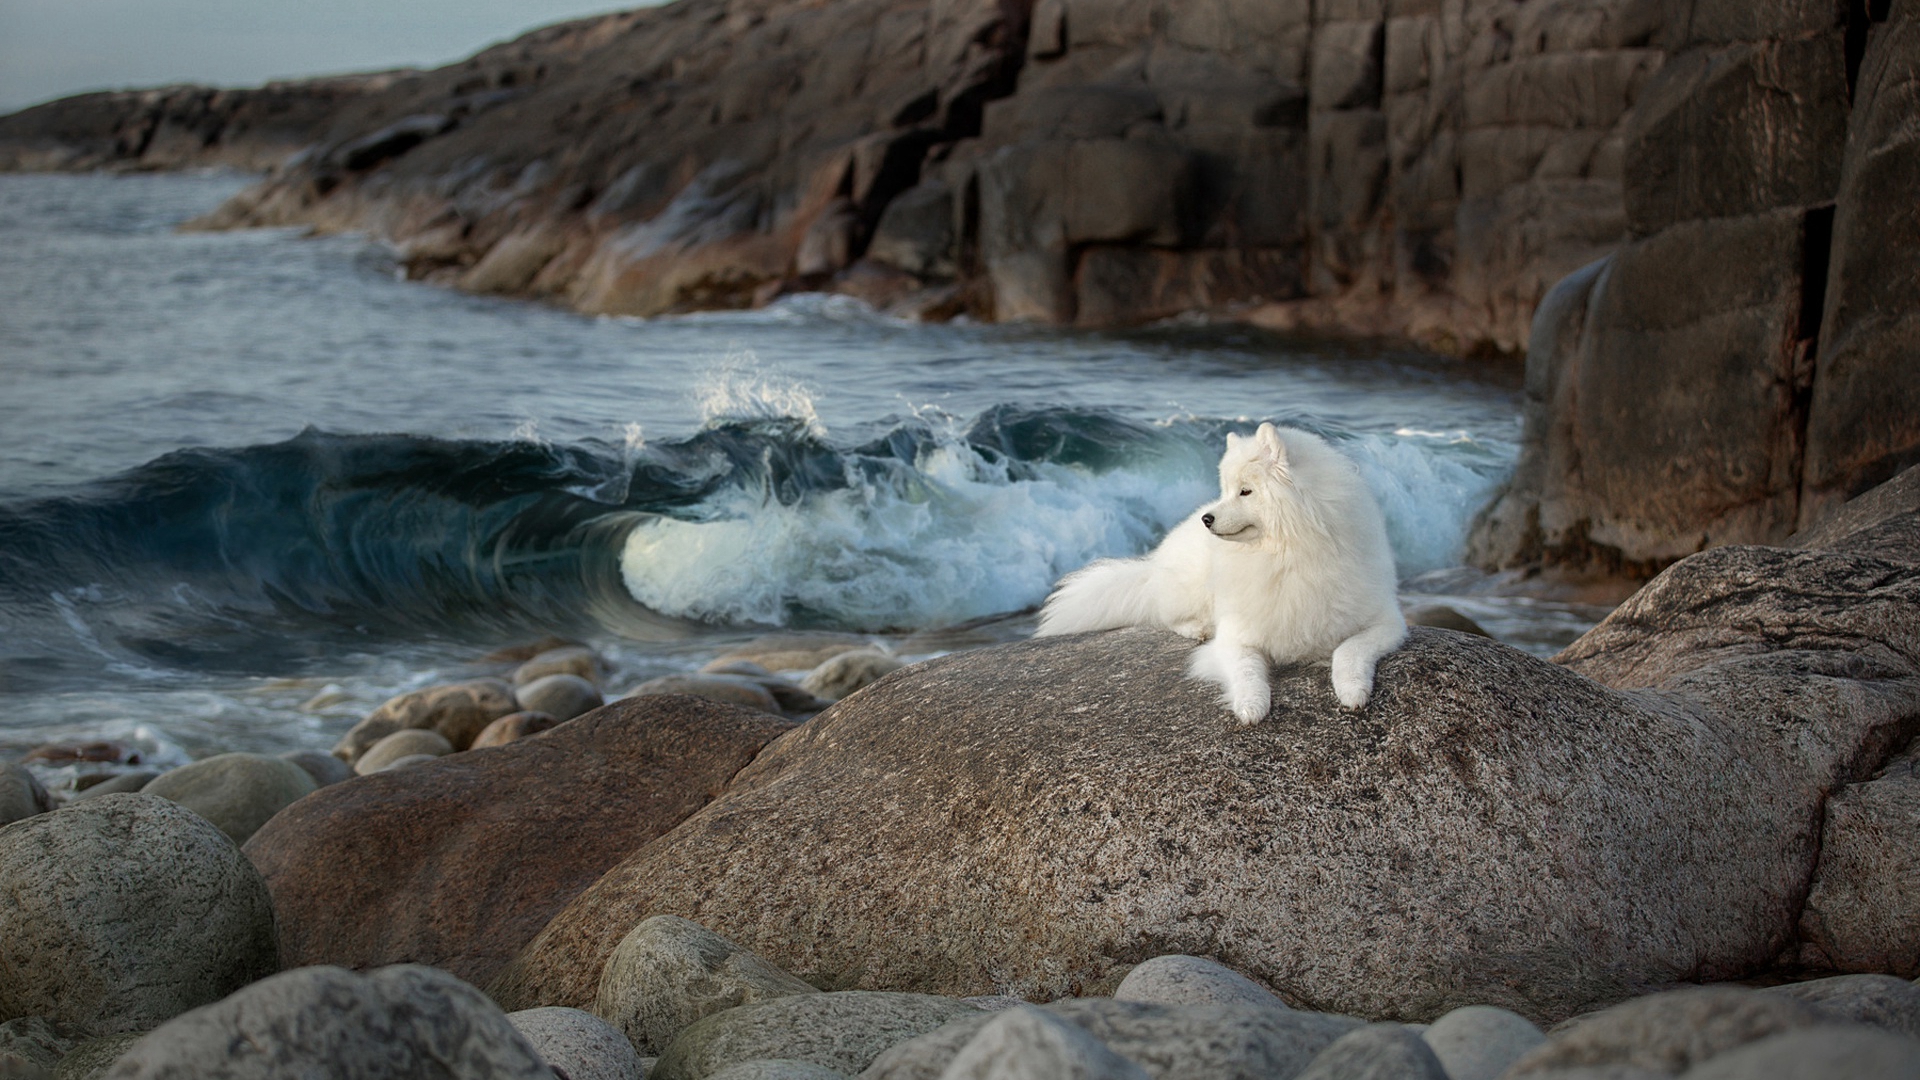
<point>1290,565</point>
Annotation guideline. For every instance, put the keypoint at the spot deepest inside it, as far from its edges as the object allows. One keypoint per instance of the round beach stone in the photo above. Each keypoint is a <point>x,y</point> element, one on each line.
<point>571,660</point>
<point>394,1023</point>
<point>1192,980</point>
<point>401,744</point>
<point>579,1043</point>
<point>793,652</point>
<point>124,911</point>
<point>21,794</point>
<point>458,711</point>
<point>846,672</point>
<point>237,792</point>
<point>669,972</point>
<point>1377,1052</point>
<point>726,689</point>
<point>1880,1000</point>
<point>1817,1053</point>
<point>511,727</point>
<point>1668,1032</point>
<point>562,697</point>
<point>322,766</point>
<point>409,761</point>
<point>844,1030</point>
<point>1026,1043</point>
<point>119,784</point>
<point>777,1069</point>
<point>1479,1042</point>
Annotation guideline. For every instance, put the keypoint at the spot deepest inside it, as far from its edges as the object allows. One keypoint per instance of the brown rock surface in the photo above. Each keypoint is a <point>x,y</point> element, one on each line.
<point>458,862</point>
<point>1494,829</point>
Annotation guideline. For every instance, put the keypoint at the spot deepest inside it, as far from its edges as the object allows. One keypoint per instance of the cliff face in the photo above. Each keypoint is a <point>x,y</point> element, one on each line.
<point>1423,168</point>
<point>1744,363</point>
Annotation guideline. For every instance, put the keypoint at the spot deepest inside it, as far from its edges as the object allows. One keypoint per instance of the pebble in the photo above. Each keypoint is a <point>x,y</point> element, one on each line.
<point>1479,1042</point>
<point>570,660</point>
<point>842,674</point>
<point>562,697</point>
<point>727,689</point>
<point>322,766</point>
<point>1377,1052</point>
<point>413,742</point>
<point>1026,1043</point>
<point>579,1043</point>
<point>118,784</point>
<point>21,794</point>
<point>1192,980</point>
<point>843,1030</point>
<point>513,727</point>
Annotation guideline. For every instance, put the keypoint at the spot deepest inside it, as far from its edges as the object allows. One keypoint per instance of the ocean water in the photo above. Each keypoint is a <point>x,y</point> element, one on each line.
<point>252,484</point>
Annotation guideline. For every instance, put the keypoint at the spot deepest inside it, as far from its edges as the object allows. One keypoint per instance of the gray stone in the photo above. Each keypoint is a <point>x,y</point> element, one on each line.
<point>669,972</point>
<point>1378,1052</point>
<point>411,742</point>
<point>727,689</point>
<point>1192,980</point>
<point>843,674</point>
<point>91,1059</point>
<point>1880,1000</point>
<point>406,761</point>
<point>1819,1053</point>
<point>1669,1033</point>
<point>1862,913</point>
<point>567,660</point>
<point>843,1030</point>
<point>395,1023</point>
<point>458,711</point>
<point>123,911</point>
<point>511,727</point>
<point>562,696</point>
<point>237,792</point>
<point>21,794</point>
<point>1479,1042</point>
<point>579,1044</point>
<point>33,1039</point>
<point>1026,1043</point>
<point>777,1069</point>
<point>323,767</point>
<point>118,784</point>
<point>1224,1042</point>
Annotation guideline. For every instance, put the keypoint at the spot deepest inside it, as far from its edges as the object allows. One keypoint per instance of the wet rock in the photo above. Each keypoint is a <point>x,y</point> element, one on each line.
<point>792,652</point>
<point>1669,1033</point>
<point>568,660</point>
<point>323,767</point>
<point>411,742</point>
<point>844,1030</point>
<point>562,696</point>
<point>395,1023</point>
<point>669,972</point>
<point>849,671</point>
<point>458,712</point>
<point>1445,618</point>
<point>1241,1042</point>
<point>97,751</point>
<point>91,1059</point>
<point>1479,1042</point>
<point>1880,1000</point>
<point>1378,1052</point>
<point>579,1044</point>
<point>512,727</point>
<point>126,910</point>
<point>1816,1054</point>
<point>458,862</point>
<point>1026,1043</point>
<point>237,792</point>
<point>21,794</point>
<point>740,690</point>
<point>1192,980</point>
<point>920,798</point>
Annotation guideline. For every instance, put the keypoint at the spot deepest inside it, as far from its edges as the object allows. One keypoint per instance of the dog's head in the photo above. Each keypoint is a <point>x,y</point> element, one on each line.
<point>1256,489</point>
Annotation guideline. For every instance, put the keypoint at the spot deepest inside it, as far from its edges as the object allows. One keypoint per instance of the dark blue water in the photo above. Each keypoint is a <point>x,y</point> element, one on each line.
<point>253,483</point>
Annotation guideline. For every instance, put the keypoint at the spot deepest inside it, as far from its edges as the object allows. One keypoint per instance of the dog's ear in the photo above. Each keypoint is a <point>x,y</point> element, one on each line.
<point>1272,451</point>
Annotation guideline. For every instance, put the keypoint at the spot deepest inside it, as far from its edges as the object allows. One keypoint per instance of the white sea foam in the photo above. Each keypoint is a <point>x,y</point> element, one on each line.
<point>741,388</point>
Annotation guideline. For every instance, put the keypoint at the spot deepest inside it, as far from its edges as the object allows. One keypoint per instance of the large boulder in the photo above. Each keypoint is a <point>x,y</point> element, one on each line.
<point>1493,829</point>
<point>459,861</point>
<point>397,1023</point>
<point>123,911</point>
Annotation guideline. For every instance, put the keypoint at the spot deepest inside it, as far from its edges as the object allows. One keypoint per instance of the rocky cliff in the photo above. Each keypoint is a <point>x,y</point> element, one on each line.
<point>1423,168</point>
<point>1743,363</point>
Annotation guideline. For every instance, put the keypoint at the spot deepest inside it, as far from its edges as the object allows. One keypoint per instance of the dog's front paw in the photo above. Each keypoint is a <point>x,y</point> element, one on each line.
<point>1250,707</point>
<point>1352,690</point>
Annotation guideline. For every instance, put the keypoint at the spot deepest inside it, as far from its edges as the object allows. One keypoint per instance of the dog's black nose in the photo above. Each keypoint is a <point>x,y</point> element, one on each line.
<point>1207,520</point>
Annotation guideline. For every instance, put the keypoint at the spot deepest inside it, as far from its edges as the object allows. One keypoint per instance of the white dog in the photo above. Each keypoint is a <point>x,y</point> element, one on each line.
<point>1292,564</point>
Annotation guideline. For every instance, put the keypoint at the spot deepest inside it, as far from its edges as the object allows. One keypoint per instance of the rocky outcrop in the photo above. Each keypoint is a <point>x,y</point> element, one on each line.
<point>180,127</point>
<point>459,862</point>
<point>1738,369</point>
<point>1493,829</point>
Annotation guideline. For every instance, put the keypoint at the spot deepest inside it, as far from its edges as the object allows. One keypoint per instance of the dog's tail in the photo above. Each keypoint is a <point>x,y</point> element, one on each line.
<point>1102,595</point>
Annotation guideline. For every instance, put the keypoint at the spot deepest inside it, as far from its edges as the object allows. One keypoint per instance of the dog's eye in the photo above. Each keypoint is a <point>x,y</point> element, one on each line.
<point>1246,491</point>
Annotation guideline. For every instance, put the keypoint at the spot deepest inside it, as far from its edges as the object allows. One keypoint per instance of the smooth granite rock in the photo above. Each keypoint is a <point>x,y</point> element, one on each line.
<point>561,696</point>
<point>396,1023</point>
<point>513,727</point>
<point>407,743</point>
<point>1479,1042</point>
<point>323,767</point>
<point>237,792</point>
<point>1026,1043</point>
<point>1378,1052</point>
<point>844,1031</point>
<point>669,972</point>
<point>1669,1033</point>
<point>1818,1053</point>
<point>459,861</point>
<point>124,911</point>
<point>458,712</point>
<point>841,675</point>
<point>1192,980</point>
<point>579,1044</point>
<point>21,794</point>
<point>568,660</point>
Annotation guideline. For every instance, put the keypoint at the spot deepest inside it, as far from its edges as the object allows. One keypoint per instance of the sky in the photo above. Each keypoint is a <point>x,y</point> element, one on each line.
<point>52,48</point>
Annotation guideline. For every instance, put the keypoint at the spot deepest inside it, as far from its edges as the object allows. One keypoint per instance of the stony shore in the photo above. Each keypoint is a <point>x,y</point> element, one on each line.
<point>1684,847</point>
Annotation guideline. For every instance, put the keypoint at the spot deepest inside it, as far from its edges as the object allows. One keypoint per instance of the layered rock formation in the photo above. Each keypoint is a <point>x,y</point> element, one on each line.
<point>1495,829</point>
<point>1417,167</point>
<point>1743,364</point>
